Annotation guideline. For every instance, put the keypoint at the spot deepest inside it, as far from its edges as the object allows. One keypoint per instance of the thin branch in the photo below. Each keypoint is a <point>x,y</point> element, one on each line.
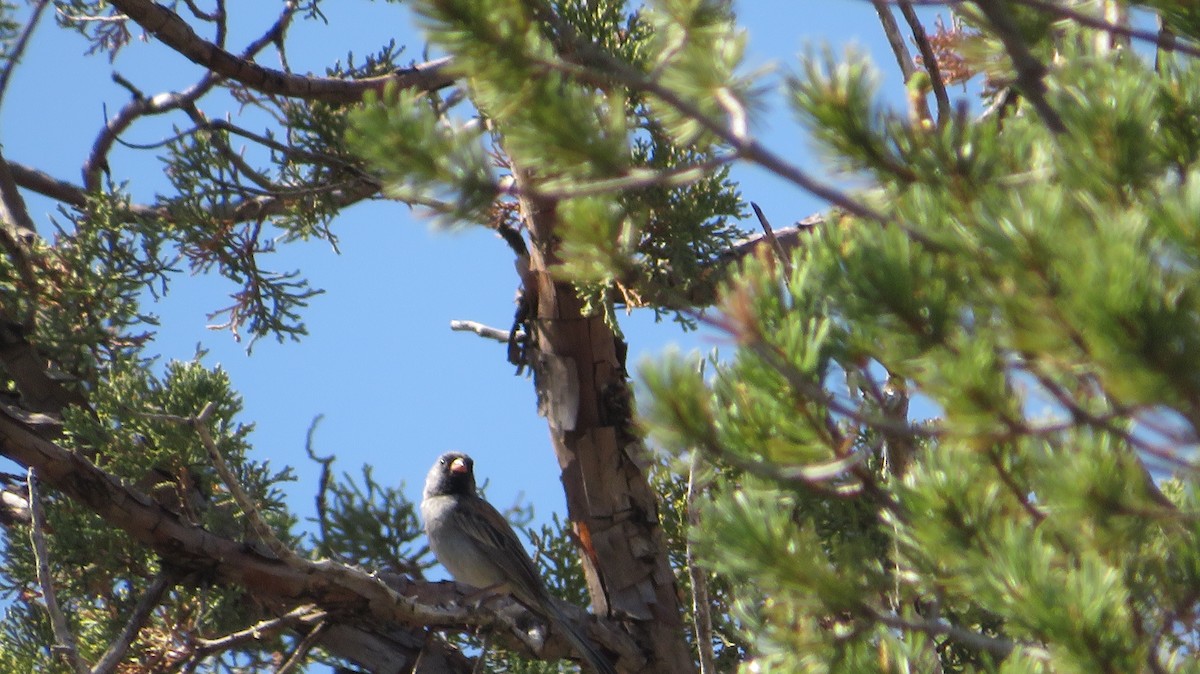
<point>502,336</point>
<point>65,641</point>
<point>634,179</point>
<point>18,48</point>
<point>614,70</point>
<point>142,106</point>
<point>780,253</point>
<point>307,614</point>
<point>891,30</point>
<point>1000,647</point>
<point>247,209</point>
<point>301,652</point>
<point>930,61</point>
<point>1030,72</point>
<point>141,614</point>
<point>702,617</point>
<point>263,530</point>
<point>254,517</point>
<point>1164,42</point>
<point>235,159</point>
<point>174,32</point>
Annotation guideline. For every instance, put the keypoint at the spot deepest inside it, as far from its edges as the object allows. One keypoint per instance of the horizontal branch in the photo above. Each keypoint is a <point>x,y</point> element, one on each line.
<point>364,607</point>
<point>174,32</point>
<point>244,210</point>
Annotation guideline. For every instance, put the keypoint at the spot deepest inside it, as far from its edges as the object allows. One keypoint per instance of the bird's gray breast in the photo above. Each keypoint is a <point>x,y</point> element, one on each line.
<point>457,551</point>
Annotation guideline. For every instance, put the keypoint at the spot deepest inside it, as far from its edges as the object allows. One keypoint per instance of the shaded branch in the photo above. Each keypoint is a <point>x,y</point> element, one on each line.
<point>1030,72</point>
<point>891,30</point>
<point>17,237</point>
<point>701,609</point>
<point>305,615</point>
<point>174,32</point>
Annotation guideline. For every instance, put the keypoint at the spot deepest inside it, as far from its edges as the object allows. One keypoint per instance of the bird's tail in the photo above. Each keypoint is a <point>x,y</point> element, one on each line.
<point>582,644</point>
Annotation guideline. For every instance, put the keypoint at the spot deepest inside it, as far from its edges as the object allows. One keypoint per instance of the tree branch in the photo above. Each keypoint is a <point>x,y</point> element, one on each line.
<point>391,612</point>
<point>174,32</point>
<point>64,638</point>
<point>17,236</point>
<point>141,106</point>
<point>141,613</point>
<point>487,331</point>
<point>18,48</point>
<point>891,30</point>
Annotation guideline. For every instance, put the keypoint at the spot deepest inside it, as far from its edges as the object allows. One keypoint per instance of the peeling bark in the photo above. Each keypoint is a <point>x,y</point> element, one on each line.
<point>583,390</point>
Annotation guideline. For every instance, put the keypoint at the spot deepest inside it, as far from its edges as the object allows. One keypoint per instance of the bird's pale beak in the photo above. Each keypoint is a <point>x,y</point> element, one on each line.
<point>458,466</point>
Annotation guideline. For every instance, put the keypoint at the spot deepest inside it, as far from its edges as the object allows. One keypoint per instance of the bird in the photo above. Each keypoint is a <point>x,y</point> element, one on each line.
<point>480,549</point>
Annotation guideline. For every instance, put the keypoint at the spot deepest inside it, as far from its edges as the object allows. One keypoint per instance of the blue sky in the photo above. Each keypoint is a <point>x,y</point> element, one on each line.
<point>395,385</point>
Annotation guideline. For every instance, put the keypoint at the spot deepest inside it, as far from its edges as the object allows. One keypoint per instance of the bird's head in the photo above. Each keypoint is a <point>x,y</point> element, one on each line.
<point>452,473</point>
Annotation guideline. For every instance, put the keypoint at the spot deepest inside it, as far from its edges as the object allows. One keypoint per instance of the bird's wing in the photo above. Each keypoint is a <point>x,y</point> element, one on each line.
<point>497,540</point>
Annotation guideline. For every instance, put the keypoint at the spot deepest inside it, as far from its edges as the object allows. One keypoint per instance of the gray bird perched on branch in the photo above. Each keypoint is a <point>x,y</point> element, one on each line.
<point>479,548</point>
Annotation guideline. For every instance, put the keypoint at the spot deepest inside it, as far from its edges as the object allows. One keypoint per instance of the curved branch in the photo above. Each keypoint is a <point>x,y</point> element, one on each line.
<point>174,32</point>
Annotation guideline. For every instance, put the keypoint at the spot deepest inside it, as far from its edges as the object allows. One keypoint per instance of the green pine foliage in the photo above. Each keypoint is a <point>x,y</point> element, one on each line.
<point>1037,294</point>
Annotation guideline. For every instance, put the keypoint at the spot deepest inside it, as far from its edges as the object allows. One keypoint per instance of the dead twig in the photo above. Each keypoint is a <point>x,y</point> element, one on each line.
<point>141,614</point>
<point>65,645</point>
<point>700,600</point>
<point>18,47</point>
<point>486,331</point>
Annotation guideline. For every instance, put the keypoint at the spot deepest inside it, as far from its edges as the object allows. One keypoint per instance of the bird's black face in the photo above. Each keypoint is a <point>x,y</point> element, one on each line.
<point>453,473</point>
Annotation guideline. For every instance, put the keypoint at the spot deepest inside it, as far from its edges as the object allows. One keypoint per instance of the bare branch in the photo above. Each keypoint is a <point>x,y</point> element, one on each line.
<point>18,48</point>
<point>891,30</point>
<point>1000,647</point>
<point>260,527</point>
<point>700,601</point>
<point>502,336</point>
<point>141,613</point>
<point>929,61</point>
<point>784,258</point>
<point>65,646</point>
<point>142,106</point>
<point>1164,42</point>
<point>302,649</point>
<point>307,614</point>
<point>173,31</point>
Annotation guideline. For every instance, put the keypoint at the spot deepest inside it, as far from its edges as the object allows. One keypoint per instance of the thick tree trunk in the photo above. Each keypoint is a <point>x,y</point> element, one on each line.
<point>583,392</point>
